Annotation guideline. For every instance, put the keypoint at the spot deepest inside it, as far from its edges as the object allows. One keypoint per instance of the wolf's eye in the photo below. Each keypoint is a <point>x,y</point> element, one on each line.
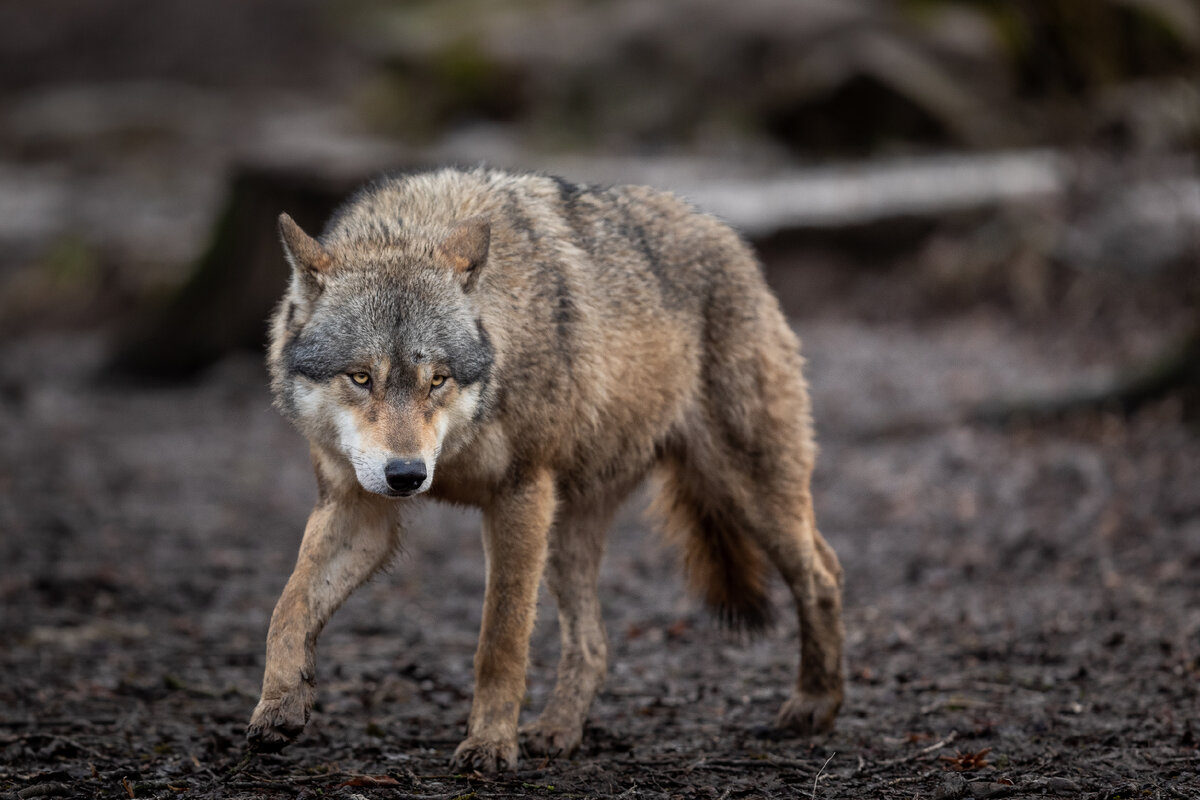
<point>437,380</point>
<point>361,378</point>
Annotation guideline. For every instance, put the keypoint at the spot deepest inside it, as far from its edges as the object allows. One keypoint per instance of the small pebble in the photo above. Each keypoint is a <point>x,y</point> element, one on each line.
<point>953,785</point>
<point>1062,786</point>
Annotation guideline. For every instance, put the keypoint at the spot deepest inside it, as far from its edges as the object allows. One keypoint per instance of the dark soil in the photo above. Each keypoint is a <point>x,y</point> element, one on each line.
<point>1031,594</point>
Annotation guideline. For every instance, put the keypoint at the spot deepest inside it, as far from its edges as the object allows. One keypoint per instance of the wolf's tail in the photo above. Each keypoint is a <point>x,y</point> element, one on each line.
<point>723,566</point>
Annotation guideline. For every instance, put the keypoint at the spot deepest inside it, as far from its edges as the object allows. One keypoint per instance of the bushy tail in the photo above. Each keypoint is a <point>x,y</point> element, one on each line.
<point>723,566</point>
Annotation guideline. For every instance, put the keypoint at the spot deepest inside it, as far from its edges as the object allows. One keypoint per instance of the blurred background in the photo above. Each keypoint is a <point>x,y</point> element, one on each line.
<point>983,218</point>
<point>147,144</point>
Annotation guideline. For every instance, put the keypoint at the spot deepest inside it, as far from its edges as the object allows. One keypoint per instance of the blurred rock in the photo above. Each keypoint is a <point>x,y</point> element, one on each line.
<point>953,785</point>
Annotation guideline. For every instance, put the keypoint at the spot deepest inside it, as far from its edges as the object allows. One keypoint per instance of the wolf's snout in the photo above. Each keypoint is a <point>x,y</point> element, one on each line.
<point>405,475</point>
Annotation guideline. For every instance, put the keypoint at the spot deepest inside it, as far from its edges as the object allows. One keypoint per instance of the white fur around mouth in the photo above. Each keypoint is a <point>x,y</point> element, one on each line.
<point>370,470</point>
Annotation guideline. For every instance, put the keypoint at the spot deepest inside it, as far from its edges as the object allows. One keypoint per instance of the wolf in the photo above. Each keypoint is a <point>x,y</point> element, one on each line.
<point>536,348</point>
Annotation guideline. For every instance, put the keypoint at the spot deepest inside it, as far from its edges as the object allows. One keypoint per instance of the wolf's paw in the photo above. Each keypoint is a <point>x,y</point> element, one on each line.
<point>276,724</point>
<point>808,714</point>
<point>545,738</point>
<point>486,755</point>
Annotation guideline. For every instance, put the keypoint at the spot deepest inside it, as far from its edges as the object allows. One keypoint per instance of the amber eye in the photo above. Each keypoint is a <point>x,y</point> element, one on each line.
<point>437,381</point>
<point>361,378</point>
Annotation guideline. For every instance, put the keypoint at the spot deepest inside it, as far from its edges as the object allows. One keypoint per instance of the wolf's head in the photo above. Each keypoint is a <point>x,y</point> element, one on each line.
<point>377,351</point>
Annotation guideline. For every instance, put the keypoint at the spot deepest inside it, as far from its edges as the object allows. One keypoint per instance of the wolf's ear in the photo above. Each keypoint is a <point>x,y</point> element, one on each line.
<point>465,248</point>
<point>310,261</point>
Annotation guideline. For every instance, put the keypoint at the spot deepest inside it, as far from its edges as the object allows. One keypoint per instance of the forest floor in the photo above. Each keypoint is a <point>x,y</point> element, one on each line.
<point>1022,602</point>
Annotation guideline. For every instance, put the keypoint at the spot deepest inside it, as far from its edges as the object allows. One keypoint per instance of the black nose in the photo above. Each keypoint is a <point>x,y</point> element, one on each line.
<point>405,475</point>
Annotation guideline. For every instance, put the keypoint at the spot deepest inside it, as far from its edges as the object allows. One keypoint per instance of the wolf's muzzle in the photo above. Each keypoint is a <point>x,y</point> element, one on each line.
<point>405,475</point>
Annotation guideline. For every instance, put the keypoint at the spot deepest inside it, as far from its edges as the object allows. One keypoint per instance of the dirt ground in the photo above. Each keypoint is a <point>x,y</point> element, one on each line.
<point>1022,602</point>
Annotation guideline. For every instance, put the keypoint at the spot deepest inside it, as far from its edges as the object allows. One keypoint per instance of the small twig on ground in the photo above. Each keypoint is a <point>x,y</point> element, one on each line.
<point>241,766</point>
<point>924,751</point>
<point>54,737</point>
<point>817,777</point>
<point>903,779</point>
<point>1160,761</point>
<point>263,783</point>
<point>742,763</point>
<point>300,779</point>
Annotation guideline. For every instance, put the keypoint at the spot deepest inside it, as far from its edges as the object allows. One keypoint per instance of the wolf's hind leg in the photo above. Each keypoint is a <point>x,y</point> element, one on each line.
<point>734,520</point>
<point>774,513</point>
<point>576,548</point>
<point>812,572</point>
<point>742,473</point>
<point>346,540</point>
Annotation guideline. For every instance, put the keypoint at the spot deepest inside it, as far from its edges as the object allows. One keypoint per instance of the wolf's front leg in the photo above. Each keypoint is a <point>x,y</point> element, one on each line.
<point>572,569</point>
<point>349,536</point>
<point>515,532</point>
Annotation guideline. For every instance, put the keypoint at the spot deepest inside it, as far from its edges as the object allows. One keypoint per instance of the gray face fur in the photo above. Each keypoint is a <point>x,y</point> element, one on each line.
<point>363,317</point>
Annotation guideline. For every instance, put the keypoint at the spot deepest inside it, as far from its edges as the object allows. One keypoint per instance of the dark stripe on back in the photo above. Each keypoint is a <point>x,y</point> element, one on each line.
<point>567,192</point>
<point>674,294</point>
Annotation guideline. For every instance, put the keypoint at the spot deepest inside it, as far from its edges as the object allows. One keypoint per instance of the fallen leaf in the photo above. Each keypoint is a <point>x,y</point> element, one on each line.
<point>678,628</point>
<point>965,761</point>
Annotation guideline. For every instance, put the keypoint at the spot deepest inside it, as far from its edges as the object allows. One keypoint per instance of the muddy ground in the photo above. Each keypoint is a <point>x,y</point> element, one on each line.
<point>1022,601</point>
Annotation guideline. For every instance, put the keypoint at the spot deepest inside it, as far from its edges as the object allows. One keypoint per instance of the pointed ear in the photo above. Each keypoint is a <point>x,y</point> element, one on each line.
<point>310,261</point>
<point>465,248</point>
